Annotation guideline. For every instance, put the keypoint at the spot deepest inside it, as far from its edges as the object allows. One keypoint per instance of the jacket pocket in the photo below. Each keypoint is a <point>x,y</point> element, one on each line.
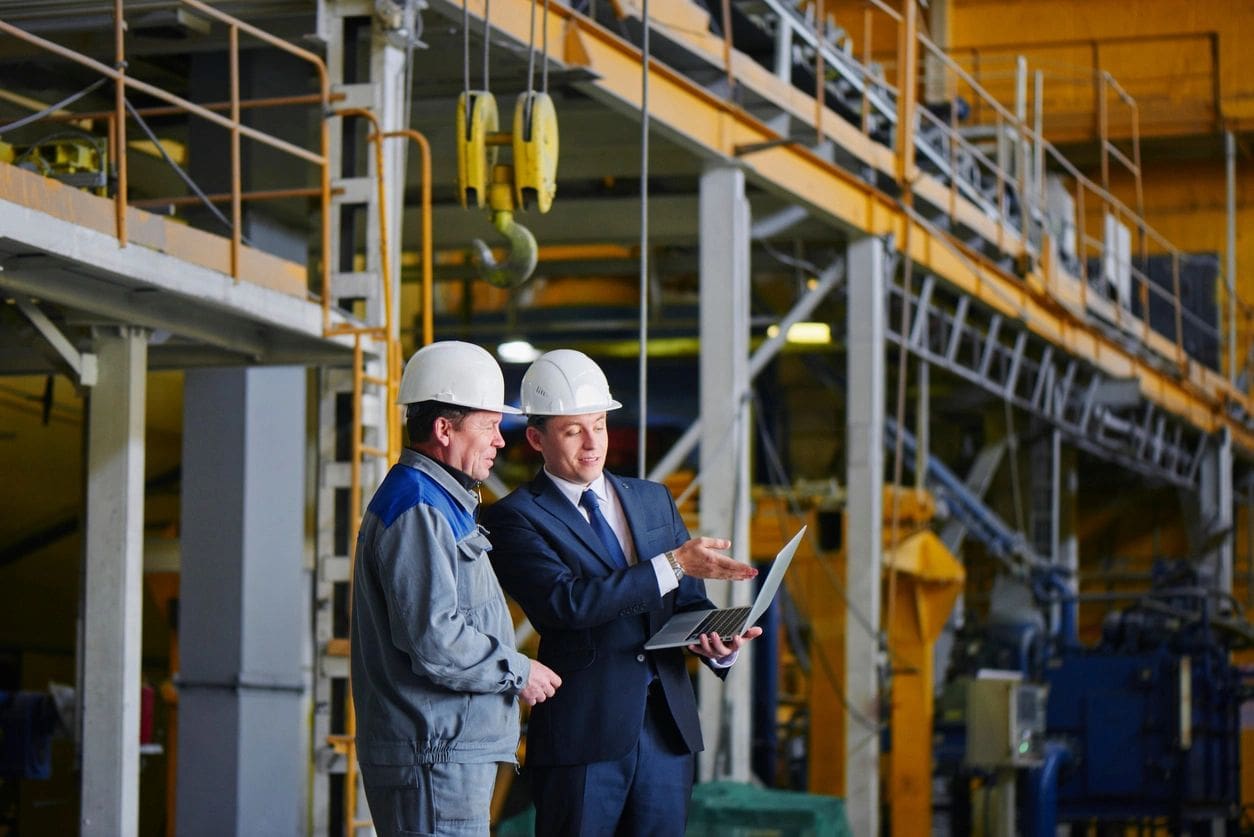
<point>476,584</point>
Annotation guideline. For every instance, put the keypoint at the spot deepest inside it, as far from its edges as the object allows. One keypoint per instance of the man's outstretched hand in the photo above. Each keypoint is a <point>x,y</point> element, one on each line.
<point>542,683</point>
<point>700,560</point>
<point>713,646</point>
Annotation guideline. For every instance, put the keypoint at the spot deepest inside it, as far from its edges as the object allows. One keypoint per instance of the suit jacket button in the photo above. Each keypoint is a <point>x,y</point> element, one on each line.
<point>640,658</point>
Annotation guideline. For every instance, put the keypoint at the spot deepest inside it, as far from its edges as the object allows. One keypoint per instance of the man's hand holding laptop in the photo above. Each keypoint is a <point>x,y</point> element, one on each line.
<point>720,632</point>
<point>717,648</point>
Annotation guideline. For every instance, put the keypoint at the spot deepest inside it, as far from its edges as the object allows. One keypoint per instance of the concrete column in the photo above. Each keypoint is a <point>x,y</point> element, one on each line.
<point>724,267</point>
<point>864,443</point>
<point>243,759</point>
<point>113,586</point>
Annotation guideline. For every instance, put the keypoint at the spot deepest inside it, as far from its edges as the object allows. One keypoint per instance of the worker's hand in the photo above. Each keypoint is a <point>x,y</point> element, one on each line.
<point>716,648</point>
<point>542,684</point>
<point>699,560</point>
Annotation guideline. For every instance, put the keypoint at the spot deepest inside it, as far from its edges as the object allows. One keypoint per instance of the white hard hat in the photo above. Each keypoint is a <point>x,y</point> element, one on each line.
<point>453,372</point>
<point>565,382</point>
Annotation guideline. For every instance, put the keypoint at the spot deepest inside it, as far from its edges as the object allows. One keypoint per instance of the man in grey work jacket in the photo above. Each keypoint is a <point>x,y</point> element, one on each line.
<point>435,675</point>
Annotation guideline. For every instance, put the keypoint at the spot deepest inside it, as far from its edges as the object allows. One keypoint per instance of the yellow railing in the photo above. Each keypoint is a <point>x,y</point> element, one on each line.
<point>117,120</point>
<point>1006,150</point>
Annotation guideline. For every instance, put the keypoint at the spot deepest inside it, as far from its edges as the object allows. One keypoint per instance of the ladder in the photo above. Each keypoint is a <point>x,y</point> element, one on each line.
<point>358,425</point>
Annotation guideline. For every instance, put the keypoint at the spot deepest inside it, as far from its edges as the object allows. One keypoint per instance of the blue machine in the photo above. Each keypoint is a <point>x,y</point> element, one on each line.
<point>1150,718</point>
<point>1143,728</point>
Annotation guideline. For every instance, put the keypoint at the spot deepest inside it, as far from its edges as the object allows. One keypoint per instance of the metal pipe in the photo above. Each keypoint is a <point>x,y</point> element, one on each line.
<point>171,110</point>
<point>1230,161</point>
<point>642,435</point>
<point>428,287</point>
<point>119,116</point>
<point>820,87</point>
<point>237,219</point>
<point>1042,788</point>
<point>224,197</point>
<point>1175,292</point>
<point>907,57</point>
<point>1038,151</point>
<point>727,47</point>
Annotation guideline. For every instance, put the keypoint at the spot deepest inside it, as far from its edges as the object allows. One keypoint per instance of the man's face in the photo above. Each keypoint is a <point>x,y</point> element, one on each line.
<point>472,445</point>
<point>573,447</point>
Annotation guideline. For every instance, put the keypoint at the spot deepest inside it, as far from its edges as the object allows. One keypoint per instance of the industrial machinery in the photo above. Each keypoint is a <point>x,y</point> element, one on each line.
<point>1142,729</point>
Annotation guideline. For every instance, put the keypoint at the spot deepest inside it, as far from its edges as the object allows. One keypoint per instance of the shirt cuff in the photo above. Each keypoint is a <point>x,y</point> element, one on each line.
<point>725,662</point>
<point>666,580</point>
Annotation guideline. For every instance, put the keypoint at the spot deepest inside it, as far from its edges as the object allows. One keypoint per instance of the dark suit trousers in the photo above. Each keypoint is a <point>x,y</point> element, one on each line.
<point>643,794</point>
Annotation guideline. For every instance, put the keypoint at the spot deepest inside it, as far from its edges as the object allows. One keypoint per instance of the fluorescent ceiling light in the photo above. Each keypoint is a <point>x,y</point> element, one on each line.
<point>517,351</point>
<point>808,333</point>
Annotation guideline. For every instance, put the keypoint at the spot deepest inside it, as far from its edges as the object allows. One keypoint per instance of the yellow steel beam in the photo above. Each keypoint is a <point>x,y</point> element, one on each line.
<point>714,127</point>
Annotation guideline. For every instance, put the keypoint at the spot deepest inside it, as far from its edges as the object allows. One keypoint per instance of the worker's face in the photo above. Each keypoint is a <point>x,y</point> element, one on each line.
<point>471,445</point>
<point>573,447</point>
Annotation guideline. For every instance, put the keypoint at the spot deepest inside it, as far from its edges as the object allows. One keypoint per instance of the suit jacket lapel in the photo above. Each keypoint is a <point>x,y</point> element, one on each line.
<point>549,498</point>
<point>630,501</point>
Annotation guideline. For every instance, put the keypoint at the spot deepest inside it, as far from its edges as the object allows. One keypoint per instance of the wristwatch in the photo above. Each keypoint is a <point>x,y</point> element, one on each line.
<point>675,565</point>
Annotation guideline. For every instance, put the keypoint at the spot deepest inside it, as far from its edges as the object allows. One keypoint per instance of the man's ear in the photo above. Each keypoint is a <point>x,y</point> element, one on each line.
<point>440,431</point>
<point>533,439</point>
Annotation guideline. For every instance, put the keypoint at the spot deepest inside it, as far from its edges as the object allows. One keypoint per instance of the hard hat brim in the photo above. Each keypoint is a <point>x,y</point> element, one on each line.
<point>578,411</point>
<point>504,409</point>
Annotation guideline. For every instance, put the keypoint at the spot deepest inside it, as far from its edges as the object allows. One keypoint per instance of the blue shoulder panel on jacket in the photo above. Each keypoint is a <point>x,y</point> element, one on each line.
<point>405,487</point>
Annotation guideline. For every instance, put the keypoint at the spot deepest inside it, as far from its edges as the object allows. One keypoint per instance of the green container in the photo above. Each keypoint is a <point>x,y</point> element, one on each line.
<point>730,809</point>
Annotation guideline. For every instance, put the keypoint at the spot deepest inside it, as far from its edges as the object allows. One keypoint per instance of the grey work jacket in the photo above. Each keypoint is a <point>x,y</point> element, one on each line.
<point>435,671</point>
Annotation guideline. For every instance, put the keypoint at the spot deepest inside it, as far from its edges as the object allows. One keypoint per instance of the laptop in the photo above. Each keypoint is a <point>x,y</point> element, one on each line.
<point>686,628</point>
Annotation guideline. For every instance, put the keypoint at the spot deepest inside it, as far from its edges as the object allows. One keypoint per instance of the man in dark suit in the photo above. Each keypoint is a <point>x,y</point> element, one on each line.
<point>599,562</point>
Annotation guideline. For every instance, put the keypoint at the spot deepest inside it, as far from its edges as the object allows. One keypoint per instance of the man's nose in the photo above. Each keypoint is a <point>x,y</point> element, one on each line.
<point>498,441</point>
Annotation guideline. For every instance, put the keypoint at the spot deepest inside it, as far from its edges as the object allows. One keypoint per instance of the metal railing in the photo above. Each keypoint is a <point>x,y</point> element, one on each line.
<point>995,157</point>
<point>117,118</point>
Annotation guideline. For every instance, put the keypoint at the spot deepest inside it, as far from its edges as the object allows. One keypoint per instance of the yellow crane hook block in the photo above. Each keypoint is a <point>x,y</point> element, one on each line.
<point>535,151</point>
<point>476,120</point>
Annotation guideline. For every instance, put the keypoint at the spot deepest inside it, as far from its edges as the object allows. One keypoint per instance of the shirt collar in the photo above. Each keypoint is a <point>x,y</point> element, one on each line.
<point>573,491</point>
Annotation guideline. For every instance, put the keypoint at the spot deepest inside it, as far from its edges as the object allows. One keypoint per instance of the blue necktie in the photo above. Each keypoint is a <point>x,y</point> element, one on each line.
<point>602,527</point>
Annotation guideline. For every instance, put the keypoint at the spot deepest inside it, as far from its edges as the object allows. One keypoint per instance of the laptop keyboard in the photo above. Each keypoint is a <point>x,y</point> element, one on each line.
<point>725,623</point>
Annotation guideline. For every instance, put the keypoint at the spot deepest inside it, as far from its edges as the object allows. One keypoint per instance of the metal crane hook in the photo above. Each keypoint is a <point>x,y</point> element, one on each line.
<point>519,262</point>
